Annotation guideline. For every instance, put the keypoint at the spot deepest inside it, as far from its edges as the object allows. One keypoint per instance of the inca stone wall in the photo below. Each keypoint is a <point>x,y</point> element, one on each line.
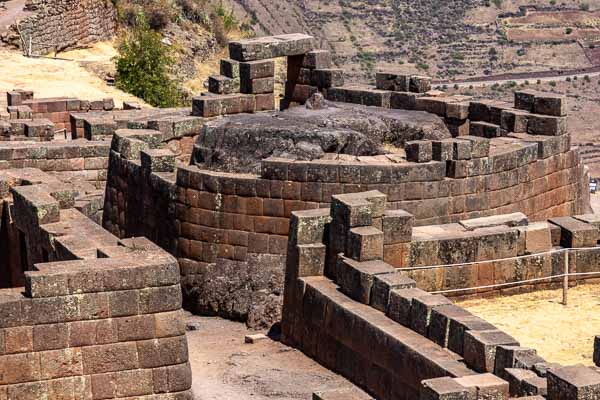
<point>98,318</point>
<point>64,24</point>
<point>452,158</point>
<point>362,317</point>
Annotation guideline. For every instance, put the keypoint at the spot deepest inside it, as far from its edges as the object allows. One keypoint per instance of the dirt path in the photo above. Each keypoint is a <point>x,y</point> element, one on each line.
<point>563,334</point>
<point>224,368</point>
<point>53,77</point>
<point>13,10</point>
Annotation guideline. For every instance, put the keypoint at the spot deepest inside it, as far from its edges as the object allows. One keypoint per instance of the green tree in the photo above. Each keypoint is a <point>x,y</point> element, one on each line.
<point>143,66</point>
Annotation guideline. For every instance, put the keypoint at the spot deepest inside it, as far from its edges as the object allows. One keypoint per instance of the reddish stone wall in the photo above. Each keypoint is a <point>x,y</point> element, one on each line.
<point>101,320</point>
<point>232,228</point>
<point>362,317</point>
<point>82,159</point>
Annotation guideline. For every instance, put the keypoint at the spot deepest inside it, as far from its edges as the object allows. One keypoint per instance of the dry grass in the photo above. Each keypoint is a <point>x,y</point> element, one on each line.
<point>563,334</point>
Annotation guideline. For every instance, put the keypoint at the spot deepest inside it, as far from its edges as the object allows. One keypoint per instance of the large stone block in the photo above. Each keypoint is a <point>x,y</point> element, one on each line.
<point>317,59</point>
<point>458,328</point>
<point>356,278</point>
<point>271,47</point>
<point>383,284</point>
<point>421,309</point>
<point>480,348</point>
<point>392,81</point>
<point>573,383</point>
<point>397,226</point>
<point>419,151</point>
<point>365,244</point>
<point>446,388</point>
<point>487,386</point>
<point>575,233</point>
<point>439,324</point>
<point>256,70</point>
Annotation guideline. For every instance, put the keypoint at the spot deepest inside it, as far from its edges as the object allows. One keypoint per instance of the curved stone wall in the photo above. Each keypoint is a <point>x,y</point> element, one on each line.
<point>235,226</point>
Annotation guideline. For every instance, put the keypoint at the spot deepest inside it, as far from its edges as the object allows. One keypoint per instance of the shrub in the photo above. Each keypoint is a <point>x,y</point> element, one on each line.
<point>568,31</point>
<point>158,18</point>
<point>143,66</point>
<point>194,11</point>
<point>552,83</point>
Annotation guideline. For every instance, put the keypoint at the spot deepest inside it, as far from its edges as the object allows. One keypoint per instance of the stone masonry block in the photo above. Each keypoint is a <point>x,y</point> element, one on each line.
<point>484,129</point>
<point>506,357</point>
<point>308,227</point>
<point>446,388</point>
<point>356,278</point>
<point>36,203</point>
<point>392,81</point>
<point>397,226</point>
<point>459,325</point>
<point>230,68</point>
<point>326,78</point>
<point>400,304</point>
<point>384,283</point>
<point>271,47</point>
<point>488,386</point>
<point>311,259</point>
<point>546,125</point>
<point>480,147</point>
<point>257,85</point>
<point>480,348</point>
<point>573,383</point>
<point>575,233</point>
<point>317,59</point>
<point>365,244</point>
<point>419,151</point>
<point>256,70</point>
<point>419,84</point>
<point>550,104</point>
<point>515,378</point>
<point>514,121</point>
<point>421,309</point>
<point>442,150</point>
<point>439,324</point>
<point>525,100</point>
<point>158,160</point>
<point>220,84</point>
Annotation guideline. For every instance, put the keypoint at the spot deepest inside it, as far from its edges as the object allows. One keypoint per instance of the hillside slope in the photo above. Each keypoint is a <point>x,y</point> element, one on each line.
<point>444,39</point>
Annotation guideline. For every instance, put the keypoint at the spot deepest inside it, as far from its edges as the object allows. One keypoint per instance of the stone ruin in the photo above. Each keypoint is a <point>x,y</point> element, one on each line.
<point>341,216</point>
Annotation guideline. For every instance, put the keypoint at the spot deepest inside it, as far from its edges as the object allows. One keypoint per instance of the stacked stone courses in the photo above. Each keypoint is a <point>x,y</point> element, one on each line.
<point>227,220</point>
<point>357,314</point>
<point>101,320</point>
<point>56,25</point>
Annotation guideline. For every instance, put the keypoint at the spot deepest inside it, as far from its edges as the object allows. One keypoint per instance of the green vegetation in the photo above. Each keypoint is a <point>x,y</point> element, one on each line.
<point>143,66</point>
<point>568,31</point>
<point>497,3</point>
<point>584,7</point>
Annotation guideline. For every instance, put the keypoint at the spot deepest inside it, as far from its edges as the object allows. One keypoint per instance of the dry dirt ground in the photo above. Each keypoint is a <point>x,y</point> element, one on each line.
<point>225,368</point>
<point>49,77</point>
<point>563,334</point>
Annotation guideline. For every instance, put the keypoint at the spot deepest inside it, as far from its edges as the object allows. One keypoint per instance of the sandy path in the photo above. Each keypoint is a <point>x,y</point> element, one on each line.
<point>13,10</point>
<point>539,320</point>
<point>54,77</point>
<point>224,368</point>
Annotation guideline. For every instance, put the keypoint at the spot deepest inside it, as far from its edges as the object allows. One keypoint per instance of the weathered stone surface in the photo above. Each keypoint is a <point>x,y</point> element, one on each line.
<point>573,383</point>
<point>480,348</point>
<point>271,47</point>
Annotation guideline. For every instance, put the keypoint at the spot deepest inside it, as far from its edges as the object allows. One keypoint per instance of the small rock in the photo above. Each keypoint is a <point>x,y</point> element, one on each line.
<point>316,102</point>
<point>192,326</point>
<point>252,339</point>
